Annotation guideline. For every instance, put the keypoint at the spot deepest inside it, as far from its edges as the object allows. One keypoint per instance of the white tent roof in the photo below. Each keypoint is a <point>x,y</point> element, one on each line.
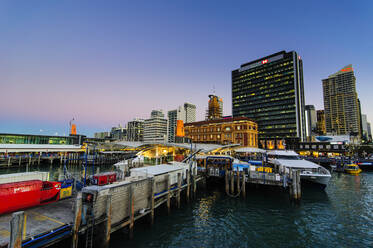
<point>249,149</point>
<point>282,153</point>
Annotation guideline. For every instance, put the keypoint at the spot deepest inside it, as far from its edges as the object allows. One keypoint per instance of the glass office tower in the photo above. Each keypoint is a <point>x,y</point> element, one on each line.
<point>270,91</point>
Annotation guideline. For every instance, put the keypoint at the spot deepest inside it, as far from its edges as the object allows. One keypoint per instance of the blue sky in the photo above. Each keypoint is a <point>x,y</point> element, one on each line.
<point>107,62</point>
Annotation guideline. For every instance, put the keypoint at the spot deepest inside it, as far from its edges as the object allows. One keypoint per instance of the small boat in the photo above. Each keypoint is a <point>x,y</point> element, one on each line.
<point>352,169</point>
<point>310,173</point>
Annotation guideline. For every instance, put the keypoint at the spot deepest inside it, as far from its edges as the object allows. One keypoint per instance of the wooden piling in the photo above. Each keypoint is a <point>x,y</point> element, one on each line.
<point>19,161</point>
<point>238,180</point>
<point>226,182</point>
<point>9,161</point>
<point>77,220</point>
<point>132,210</point>
<point>232,181</point>
<point>16,230</point>
<point>194,181</point>
<point>108,222</point>
<point>152,203</point>
<point>188,185</point>
<point>168,193</point>
<point>39,158</point>
<point>178,190</point>
<point>243,185</point>
<point>299,191</point>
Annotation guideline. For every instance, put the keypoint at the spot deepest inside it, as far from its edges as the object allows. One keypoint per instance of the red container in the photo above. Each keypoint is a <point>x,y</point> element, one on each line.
<point>105,178</point>
<point>112,177</point>
<point>19,195</point>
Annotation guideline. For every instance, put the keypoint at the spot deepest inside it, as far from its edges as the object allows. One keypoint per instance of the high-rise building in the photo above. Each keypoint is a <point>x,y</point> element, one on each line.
<point>341,103</point>
<point>119,133</point>
<point>135,130</point>
<point>185,113</point>
<point>320,125</point>
<point>190,112</point>
<point>215,108</point>
<point>270,91</point>
<point>311,120</point>
<point>369,131</point>
<point>364,125</point>
<point>155,128</point>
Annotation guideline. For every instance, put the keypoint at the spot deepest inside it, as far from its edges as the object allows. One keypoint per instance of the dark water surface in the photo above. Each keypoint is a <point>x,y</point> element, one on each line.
<point>340,216</point>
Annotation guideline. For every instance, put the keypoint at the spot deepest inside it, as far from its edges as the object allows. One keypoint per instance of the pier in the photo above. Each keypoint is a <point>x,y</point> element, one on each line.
<point>89,218</point>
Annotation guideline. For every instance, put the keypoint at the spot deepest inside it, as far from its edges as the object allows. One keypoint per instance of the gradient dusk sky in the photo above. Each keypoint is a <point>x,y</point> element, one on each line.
<point>107,62</point>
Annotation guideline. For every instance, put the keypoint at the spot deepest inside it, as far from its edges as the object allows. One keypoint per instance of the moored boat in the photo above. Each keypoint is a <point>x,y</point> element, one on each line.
<point>352,169</point>
<point>310,172</point>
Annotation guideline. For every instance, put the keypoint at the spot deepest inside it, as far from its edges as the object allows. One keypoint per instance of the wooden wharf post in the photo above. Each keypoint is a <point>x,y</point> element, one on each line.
<point>243,185</point>
<point>226,182</point>
<point>188,184</point>
<point>168,193</point>
<point>299,191</point>
<point>178,189</point>
<point>16,229</point>
<point>19,161</point>
<point>232,182</point>
<point>194,181</point>
<point>39,158</point>
<point>77,220</point>
<point>131,206</point>
<point>238,180</point>
<point>152,191</point>
<point>8,161</point>
<point>108,222</point>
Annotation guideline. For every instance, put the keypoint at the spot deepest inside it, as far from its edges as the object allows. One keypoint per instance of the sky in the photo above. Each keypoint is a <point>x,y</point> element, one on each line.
<point>104,63</point>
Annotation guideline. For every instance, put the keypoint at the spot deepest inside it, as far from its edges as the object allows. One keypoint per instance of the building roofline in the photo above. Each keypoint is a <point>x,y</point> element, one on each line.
<point>41,135</point>
<point>232,119</point>
<point>263,58</point>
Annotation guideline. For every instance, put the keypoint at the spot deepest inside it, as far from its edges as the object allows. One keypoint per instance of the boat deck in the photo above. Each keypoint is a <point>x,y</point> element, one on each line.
<point>40,219</point>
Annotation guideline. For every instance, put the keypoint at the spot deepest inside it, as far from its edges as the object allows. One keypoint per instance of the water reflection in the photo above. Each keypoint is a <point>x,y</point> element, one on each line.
<point>341,216</point>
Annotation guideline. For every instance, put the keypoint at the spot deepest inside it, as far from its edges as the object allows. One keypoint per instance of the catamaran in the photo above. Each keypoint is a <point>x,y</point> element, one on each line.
<point>309,172</point>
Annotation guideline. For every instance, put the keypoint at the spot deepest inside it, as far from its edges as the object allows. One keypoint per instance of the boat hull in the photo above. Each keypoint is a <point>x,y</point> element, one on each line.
<point>353,172</point>
<point>319,180</point>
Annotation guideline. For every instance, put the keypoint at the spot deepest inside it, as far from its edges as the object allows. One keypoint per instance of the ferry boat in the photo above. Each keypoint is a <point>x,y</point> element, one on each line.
<point>352,169</point>
<point>309,172</point>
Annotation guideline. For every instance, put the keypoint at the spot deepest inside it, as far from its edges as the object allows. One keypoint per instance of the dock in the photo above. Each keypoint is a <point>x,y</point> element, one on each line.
<point>89,218</point>
<point>112,207</point>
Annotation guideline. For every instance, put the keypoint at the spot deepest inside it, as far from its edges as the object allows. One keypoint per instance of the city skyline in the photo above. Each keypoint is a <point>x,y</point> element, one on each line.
<point>107,63</point>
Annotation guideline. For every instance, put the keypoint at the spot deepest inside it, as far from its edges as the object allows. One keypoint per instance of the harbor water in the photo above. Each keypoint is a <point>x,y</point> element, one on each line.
<point>340,216</point>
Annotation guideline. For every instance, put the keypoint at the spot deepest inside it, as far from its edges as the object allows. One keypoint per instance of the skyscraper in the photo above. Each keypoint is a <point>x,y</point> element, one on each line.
<point>341,103</point>
<point>135,130</point>
<point>190,112</point>
<point>320,125</point>
<point>215,108</point>
<point>185,113</point>
<point>310,121</point>
<point>270,91</point>
<point>155,128</point>
<point>364,125</point>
